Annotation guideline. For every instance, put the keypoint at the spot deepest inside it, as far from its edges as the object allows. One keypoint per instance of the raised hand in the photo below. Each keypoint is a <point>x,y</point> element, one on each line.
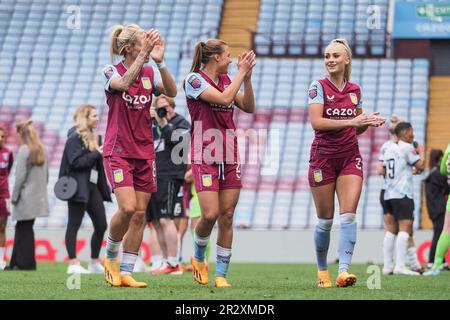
<point>248,75</point>
<point>157,53</point>
<point>246,61</point>
<point>151,38</point>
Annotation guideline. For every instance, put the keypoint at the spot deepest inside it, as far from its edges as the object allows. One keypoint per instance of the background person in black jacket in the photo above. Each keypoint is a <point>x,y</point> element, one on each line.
<point>82,159</point>
<point>436,191</point>
<point>167,203</point>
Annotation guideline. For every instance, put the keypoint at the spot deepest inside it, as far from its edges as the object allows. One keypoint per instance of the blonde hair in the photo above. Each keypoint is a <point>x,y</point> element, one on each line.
<point>120,37</point>
<point>348,50</point>
<point>76,113</point>
<point>170,100</point>
<point>394,121</point>
<point>88,135</point>
<point>28,136</point>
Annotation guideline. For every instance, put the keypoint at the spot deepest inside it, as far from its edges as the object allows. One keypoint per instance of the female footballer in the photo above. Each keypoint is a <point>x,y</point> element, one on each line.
<point>128,149</point>
<point>336,115</point>
<point>211,97</point>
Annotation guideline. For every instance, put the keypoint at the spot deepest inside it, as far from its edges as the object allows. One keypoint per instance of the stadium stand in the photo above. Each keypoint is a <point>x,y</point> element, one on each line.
<point>239,19</point>
<point>49,69</point>
<point>286,28</point>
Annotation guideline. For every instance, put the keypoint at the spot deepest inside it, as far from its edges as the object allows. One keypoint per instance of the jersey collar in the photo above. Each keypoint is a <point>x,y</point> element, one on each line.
<point>343,88</point>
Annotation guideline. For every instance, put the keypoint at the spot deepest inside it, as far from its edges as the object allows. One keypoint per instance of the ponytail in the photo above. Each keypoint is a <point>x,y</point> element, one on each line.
<point>120,37</point>
<point>204,51</point>
<point>113,47</point>
<point>198,54</point>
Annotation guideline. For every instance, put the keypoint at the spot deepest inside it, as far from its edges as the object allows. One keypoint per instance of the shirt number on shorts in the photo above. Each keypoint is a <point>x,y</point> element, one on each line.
<point>358,163</point>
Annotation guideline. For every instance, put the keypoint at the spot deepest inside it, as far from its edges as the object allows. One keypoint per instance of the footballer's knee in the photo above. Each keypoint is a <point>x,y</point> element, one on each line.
<point>128,210</point>
<point>226,216</point>
<point>138,218</point>
<point>210,216</point>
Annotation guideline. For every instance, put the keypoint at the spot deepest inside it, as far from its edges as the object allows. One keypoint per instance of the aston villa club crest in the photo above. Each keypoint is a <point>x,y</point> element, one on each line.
<point>146,83</point>
<point>318,175</point>
<point>118,175</point>
<point>354,98</point>
<point>207,180</point>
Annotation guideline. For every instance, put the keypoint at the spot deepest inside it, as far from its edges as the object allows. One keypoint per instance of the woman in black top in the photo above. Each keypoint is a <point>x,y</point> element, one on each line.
<point>436,190</point>
<point>82,160</point>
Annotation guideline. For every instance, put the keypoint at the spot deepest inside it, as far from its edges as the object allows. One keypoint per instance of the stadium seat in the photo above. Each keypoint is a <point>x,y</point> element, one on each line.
<point>61,68</point>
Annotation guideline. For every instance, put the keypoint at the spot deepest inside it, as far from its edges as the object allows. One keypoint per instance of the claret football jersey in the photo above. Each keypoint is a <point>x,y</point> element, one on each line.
<point>337,105</point>
<point>129,127</point>
<point>211,123</point>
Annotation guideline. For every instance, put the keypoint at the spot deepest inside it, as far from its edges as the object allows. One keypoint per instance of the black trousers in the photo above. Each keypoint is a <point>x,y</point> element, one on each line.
<point>96,211</point>
<point>438,225</point>
<point>23,257</point>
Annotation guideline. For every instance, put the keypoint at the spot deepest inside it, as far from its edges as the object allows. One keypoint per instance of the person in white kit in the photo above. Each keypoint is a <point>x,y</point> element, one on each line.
<point>399,160</point>
<point>391,224</point>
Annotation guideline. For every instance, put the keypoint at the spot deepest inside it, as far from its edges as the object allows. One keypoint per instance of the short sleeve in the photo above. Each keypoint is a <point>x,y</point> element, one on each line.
<point>382,152</point>
<point>109,72</point>
<point>156,79</point>
<point>195,85</point>
<point>360,102</point>
<point>315,93</point>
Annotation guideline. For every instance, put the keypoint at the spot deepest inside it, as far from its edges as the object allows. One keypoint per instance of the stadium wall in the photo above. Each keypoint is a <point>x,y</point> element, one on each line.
<point>256,246</point>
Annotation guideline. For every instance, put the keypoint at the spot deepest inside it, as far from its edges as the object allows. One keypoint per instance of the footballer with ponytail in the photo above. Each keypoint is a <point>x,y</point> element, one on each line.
<point>128,151</point>
<point>336,165</point>
<point>211,96</point>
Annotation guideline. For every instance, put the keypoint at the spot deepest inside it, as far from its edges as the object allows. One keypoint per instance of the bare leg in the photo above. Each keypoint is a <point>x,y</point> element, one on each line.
<point>227,202</point>
<point>133,237</point>
<point>209,204</point>
<point>155,247</point>
<point>3,222</point>
<point>348,189</point>
<point>120,221</point>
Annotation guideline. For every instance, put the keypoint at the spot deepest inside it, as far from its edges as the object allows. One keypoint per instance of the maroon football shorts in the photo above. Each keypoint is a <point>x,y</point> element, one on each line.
<point>324,170</point>
<point>127,172</point>
<point>216,177</point>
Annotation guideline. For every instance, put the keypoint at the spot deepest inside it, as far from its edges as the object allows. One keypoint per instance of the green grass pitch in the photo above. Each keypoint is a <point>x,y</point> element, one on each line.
<point>250,281</point>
